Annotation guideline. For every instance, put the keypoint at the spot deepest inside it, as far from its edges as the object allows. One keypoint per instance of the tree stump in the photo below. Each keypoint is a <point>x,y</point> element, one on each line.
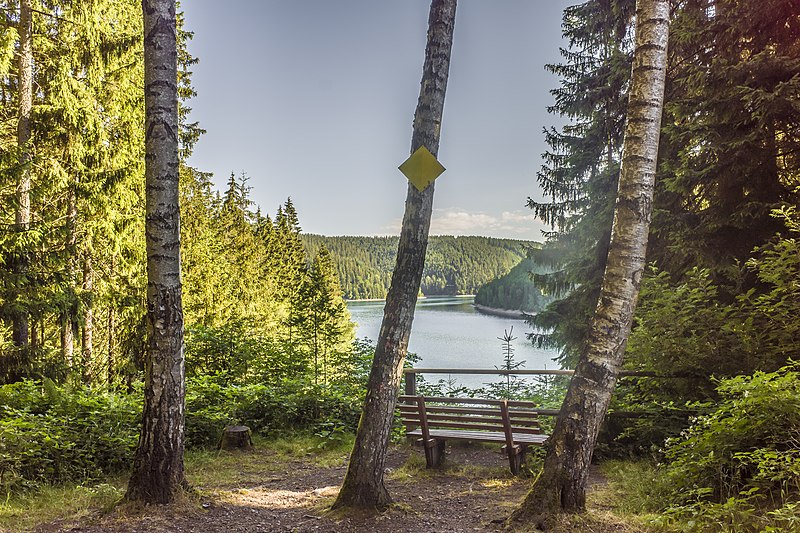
<point>235,438</point>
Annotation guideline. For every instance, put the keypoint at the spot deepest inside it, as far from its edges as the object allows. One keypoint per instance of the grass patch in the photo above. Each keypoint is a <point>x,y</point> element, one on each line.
<point>206,470</point>
<point>415,467</point>
<point>496,483</point>
<point>637,487</point>
<point>67,503</point>
<point>597,521</point>
<point>320,451</point>
<point>226,469</point>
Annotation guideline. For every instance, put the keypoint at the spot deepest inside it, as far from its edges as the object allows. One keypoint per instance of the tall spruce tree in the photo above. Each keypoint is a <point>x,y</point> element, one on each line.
<point>731,134</point>
<point>325,322</point>
<point>582,167</point>
<point>16,361</point>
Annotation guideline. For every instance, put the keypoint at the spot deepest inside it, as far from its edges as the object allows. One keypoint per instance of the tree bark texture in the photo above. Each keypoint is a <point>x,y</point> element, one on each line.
<point>562,485</point>
<point>363,484</point>
<point>69,320</point>
<point>88,318</point>
<point>23,212</point>
<point>158,474</point>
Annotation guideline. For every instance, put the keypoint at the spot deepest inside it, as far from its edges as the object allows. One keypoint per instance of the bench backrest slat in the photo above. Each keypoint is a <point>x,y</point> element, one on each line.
<point>479,401</point>
<point>478,414</point>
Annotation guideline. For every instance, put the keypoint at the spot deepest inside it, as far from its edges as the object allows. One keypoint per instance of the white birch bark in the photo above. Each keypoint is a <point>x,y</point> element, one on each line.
<point>363,484</point>
<point>562,484</point>
<point>158,475</point>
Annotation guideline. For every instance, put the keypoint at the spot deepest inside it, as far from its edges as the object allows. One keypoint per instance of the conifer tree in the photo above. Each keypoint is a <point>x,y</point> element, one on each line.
<point>325,322</point>
<point>18,360</point>
<point>731,137</point>
<point>581,168</point>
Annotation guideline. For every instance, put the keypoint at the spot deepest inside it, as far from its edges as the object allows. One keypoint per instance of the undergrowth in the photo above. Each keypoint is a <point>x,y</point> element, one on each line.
<point>207,471</point>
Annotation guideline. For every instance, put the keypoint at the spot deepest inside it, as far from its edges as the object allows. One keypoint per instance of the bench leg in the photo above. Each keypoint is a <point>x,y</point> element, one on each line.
<point>516,458</point>
<point>434,453</point>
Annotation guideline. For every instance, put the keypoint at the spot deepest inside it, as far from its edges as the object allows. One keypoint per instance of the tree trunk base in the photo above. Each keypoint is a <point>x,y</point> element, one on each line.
<point>378,500</point>
<point>550,495</point>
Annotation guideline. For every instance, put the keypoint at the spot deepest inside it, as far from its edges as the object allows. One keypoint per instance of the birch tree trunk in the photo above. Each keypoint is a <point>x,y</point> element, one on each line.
<point>158,474</point>
<point>363,484</point>
<point>23,212</point>
<point>562,485</point>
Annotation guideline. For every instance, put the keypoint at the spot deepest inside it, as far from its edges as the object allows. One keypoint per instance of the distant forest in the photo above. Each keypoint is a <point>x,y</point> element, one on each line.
<point>515,290</point>
<point>454,265</point>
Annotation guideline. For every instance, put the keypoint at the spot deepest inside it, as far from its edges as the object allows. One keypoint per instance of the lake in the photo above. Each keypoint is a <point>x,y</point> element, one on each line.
<point>449,333</point>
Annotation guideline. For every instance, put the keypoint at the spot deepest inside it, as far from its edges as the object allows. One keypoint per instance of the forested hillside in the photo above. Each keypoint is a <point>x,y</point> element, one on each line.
<point>515,290</point>
<point>453,265</point>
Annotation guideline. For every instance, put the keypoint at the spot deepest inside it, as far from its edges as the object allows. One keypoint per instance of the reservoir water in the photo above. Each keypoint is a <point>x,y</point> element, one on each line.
<point>449,333</point>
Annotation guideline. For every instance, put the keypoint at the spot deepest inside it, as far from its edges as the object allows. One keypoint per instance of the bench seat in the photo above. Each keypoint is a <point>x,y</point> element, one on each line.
<point>435,420</point>
<point>480,436</point>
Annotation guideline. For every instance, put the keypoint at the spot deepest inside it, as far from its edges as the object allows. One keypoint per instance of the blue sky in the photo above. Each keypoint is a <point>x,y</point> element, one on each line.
<point>314,99</point>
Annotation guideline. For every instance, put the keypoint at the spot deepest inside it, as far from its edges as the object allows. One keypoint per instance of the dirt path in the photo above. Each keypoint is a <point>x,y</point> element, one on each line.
<point>474,492</point>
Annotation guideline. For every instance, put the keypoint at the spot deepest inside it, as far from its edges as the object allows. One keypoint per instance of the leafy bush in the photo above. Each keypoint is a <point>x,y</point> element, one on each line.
<point>57,434</point>
<point>741,463</point>
<point>701,327</point>
<point>210,406</point>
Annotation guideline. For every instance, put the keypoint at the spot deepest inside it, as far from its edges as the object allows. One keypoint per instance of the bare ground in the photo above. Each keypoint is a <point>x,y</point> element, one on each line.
<point>474,492</point>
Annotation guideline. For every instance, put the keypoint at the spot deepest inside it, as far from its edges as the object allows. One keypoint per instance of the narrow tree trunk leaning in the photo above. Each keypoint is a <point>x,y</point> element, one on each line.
<point>562,485</point>
<point>158,475</point>
<point>23,213</point>
<point>69,323</point>
<point>363,484</point>
<point>88,317</point>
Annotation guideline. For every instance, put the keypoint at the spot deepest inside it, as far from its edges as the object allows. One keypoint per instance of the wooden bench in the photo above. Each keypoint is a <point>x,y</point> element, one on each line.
<point>434,420</point>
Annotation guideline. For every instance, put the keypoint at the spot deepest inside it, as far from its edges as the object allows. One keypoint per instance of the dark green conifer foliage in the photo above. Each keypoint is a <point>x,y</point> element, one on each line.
<point>581,168</point>
<point>515,290</point>
<point>731,133</point>
<point>325,325</point>
<point>453,265</point>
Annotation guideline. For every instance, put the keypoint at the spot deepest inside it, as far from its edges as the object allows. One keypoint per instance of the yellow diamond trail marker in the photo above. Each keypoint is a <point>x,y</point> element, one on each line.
<point>421,168</point>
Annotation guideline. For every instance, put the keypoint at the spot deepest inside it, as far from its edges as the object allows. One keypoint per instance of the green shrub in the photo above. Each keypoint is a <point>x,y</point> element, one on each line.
<point>54,434</point>
<point>210,406</point>
<point>741,463</point>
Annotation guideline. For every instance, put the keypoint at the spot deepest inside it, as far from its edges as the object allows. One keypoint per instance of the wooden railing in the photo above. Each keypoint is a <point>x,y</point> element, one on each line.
<point>410,375</point>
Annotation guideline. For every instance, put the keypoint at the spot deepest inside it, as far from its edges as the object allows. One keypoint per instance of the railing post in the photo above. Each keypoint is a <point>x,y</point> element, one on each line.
<point>411,383</point>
